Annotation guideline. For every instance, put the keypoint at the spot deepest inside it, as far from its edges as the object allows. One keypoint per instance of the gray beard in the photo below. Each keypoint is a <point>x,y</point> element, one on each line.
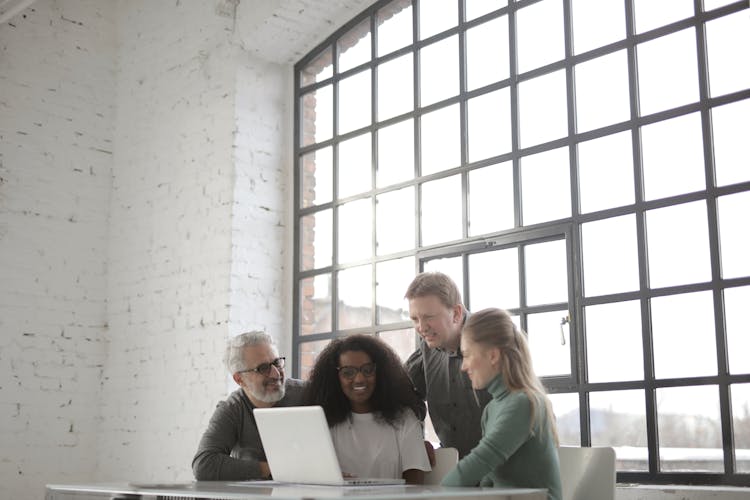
<point>270,397</point>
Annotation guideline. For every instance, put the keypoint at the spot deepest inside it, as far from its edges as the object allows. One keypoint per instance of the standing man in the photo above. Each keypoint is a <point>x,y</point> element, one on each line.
<point>231,449</point>
<point>438,315</point>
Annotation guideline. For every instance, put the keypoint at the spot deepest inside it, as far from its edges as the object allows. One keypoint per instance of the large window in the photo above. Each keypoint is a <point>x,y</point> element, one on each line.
<point>584,164</point>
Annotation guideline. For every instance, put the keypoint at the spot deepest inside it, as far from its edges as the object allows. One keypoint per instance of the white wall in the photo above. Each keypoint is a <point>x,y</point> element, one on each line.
<point>57,76</point>
<point>143,159</point>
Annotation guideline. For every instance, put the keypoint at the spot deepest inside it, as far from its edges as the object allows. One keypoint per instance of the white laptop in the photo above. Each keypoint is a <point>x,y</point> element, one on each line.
<point>299,448</point>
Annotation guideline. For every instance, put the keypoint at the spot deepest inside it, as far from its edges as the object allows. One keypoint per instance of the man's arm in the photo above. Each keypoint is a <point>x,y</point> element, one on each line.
<point>212,461</point>
<point>415,368</point>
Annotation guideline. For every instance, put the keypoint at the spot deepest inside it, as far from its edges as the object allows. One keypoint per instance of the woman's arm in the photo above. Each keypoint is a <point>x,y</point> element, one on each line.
<point>505,431</point>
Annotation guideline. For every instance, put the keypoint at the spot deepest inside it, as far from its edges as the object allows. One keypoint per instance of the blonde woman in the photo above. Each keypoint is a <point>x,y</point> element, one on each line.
<point>519,442</point>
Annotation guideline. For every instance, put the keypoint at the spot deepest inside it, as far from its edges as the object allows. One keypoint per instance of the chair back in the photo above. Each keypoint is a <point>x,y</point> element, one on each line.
<point>445,460</point>
<point>587,473</point>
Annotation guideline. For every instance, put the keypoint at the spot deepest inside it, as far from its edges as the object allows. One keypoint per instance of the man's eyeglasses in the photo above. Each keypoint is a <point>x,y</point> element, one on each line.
<point>265,368</point>
<point>349,372</point>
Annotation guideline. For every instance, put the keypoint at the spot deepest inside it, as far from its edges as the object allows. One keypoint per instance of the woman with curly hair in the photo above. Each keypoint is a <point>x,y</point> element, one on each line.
<point>371,408</point>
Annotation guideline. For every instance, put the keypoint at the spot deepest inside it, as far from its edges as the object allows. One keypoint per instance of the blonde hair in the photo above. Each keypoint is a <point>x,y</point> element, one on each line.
<point>436,284</point>
<point>494,328</point>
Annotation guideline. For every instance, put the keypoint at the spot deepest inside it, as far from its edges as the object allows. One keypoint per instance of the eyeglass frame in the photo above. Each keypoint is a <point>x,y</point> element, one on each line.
<point>265,368</point>
<point>357,370</point>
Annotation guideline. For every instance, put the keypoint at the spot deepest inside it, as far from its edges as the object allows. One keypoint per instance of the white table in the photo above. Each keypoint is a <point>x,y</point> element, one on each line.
<point>232,490</point>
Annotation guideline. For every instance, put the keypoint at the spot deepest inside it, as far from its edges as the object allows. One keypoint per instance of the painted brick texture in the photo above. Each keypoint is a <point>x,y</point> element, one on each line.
<point>57,76</point>
<point>143,218</point>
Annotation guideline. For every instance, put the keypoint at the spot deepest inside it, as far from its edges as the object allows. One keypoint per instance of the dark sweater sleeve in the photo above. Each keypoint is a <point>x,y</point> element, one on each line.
<point>212,461</point>
<point>415,368</point>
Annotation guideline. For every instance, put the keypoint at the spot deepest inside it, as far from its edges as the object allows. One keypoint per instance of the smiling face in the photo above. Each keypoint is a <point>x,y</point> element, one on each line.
<point>481,363</point>
<point>360,388</point>
<point>262,390</point>
<point>439,325</point>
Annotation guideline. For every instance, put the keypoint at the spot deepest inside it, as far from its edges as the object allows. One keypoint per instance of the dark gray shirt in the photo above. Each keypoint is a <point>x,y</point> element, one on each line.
<point>455,409</point>
<point>230,449</point>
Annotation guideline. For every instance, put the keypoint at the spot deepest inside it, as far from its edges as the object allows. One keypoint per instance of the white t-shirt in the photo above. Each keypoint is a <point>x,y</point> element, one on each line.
<point>367,447</point>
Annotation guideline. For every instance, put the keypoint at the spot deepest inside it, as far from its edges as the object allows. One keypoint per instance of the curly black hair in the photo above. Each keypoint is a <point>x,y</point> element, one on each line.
<point>394,391</point>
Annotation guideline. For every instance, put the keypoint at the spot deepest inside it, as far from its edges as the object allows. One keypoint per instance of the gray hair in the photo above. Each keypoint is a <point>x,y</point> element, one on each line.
<point>233,358</point>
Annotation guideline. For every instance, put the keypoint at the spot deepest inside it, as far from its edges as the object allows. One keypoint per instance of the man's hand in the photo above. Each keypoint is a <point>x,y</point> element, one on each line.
<point>430,452</point>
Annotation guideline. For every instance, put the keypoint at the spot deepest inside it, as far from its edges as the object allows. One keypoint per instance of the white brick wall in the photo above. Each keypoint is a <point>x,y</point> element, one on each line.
<point>56,116</point>
<point>170,237</point>
<point>142,163</point>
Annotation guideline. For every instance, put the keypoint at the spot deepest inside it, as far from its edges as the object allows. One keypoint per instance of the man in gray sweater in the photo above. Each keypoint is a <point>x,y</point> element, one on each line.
<point>231,449</point>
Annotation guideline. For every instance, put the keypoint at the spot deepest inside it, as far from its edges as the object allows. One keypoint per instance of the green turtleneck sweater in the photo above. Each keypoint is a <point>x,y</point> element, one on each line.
<point>508,455</point>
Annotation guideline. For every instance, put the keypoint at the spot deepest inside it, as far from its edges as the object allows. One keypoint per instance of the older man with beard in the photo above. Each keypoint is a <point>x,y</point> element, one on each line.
<point>231,449</point>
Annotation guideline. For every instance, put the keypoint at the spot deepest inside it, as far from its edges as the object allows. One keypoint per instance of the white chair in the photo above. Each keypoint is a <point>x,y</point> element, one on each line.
<point>445,460</point>
<point>587,473</point>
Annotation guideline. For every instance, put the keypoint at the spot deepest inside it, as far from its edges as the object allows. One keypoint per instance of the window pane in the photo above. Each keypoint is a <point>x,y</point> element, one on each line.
<point>355,165</point>
<point>487,58</point>
<point>355,230</point>
<point>618,419</point>
<point>441,210</point>
<point>438,71</point>
<point>354,47</point>
<point>713,4</point>
<point>731,128</point>
<point>308,353</point>
<point>550,355</point>
<point>402,341</point>
<point>610,256</point>
<point>355,297</point>
<point>543,109</point>
<point>320,68</point>
<point>738,328</point>
<point>597,23</point>
<point>493,279</point>
<point>316,241</point>
<point>678,245</point>
<point>317,116</point>
<point>395,221</point>
<point>568,415</point>
<point>734,234</point>
<point>667,71</point>
<point>605,172</point>
<point>437,16</point>
<point>394,25</point>
<point>650,14</point>
<point>741,424</point>
<point>441,140</point>
<point>684,344</point>
<point>689,429</point>
<point>489,125</point>
<point>491,198</point>
<point>451,266</point>
<point>540,34</point>
<point>394,87</point>
<point>673,157</point>
<point>727,39</point>
<point>614,343</point>
<point>396,153</point>
<point>545,186</point>
<point>602,91</point>
<point>355,109</point>
<point>316,177</point>
<point>546,273</point>
<point>315,304</point>
<point>393,278</point>
<point>476,8</point>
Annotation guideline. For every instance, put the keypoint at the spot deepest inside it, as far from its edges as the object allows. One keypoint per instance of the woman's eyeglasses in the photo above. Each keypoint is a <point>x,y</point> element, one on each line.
<point>265,368</point>
<point>349,372</point>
